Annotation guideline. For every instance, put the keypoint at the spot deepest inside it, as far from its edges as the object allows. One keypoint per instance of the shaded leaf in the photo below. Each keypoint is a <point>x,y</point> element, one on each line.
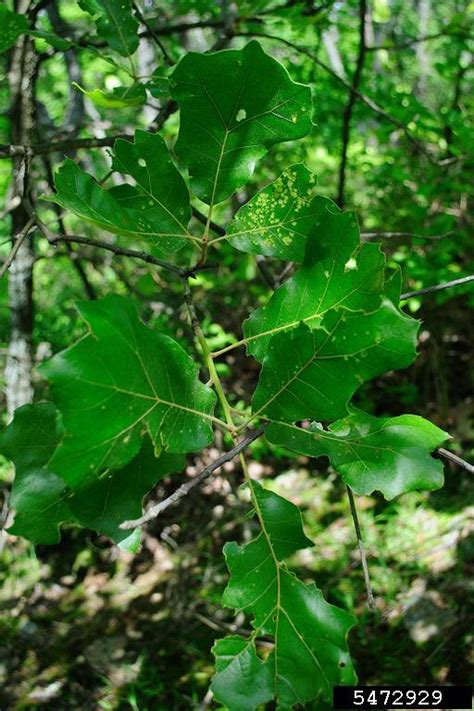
<point>309,653</point>
<point>157,210</point>
<point>52,39</point>
<point>13,25</point>
<point>42,500</point>
<point>119,381</point>
<point>387,454</point>
<point>230,117</point>
<point>115,23</point>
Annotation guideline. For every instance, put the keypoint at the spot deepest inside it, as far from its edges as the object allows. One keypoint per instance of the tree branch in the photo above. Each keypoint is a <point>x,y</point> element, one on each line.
<point>184,489</point>
<point>456,460</point>
<point>437,287</point>
<point>20,238</point>
<point>349,107</point>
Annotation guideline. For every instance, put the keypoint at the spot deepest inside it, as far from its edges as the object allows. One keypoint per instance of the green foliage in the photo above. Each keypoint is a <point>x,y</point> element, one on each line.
<point>338,276</point>
<point>277,221</point>
<point>386,454</point>
<point>13,25</point>
<point>157,208</point>
<point>120,381</point>
<point>129,398</point>
<point>118,98</point>
<point>309,654</point>
<point>230,118</point>
<point>41,499</point>
<point>115,23</point>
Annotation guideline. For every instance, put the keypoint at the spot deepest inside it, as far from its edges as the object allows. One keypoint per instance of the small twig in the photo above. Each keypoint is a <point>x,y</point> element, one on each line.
<point>457,460</point>
<point>415,235</point>
<point>185,488</point>
<point>213,225</point>
<point>20,238</point>
<point>169,61</point>
<point>351,102</point>
<point>360,543</point>
<point>437,287</point>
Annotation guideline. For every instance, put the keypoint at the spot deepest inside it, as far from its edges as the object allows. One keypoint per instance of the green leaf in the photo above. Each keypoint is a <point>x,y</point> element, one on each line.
<point>234,105</point>
<point>52,39</point>
<point>115,23</point>
<point>312,374</point>
<point>309,653</point>
<point>42,500</point>
<point>278,219</point>
<point>157,209</point>
<point>338,272</point>
<point>386,454</point>
<point>119,381</point>
<point>13,25</point>
<point>119,97</point>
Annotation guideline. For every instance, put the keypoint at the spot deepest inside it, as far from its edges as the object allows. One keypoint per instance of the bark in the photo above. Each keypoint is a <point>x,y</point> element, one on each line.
<point>18,372</point>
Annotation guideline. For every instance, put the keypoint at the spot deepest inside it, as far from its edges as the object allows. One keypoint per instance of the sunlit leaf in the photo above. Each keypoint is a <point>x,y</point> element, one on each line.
<point>42,501</point>
<point>387,454</point>
<point>308,650</point>
<point>118,382</point>
<point>230,116</point>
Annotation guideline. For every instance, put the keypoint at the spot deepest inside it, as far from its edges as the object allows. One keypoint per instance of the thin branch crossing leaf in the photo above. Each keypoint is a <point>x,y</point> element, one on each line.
<point>309,649</point>
<point>386,454</point>
<point>119,381</point>
<point>230,116</point>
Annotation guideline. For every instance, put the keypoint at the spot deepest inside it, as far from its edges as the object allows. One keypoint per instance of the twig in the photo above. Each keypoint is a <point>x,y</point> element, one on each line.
<point>414,235</point>
<point>351,101</point>
<point>184,489</point>
<point>360,543</point>
<point>8,151</point>
<point>437,287</point>
<point>457,460</point>
<point>20,238</point>
<point>417,40</point>
<point>213,225</point>
<point>153,35</point>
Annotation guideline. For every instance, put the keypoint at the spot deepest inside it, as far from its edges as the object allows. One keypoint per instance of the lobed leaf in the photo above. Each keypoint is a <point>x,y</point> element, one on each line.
<point>42,500</point>
<point>115,23</point>
<point>118,382</point>
<point>338,272</point>
<point>386,454</point>
<point>309,649</point>
<point>312,374</point>
<point>230,117</point>
<point>157,209</point>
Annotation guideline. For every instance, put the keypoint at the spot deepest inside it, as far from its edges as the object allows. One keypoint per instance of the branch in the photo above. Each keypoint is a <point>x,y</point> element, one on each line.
<point>349,107</point>
<point>20,238</point>
<point>437,287</point>
<point>416,40</point>
<point>457,460</point>
<point>415,235</point>
<point>360,543</point>
<point>9,151</point>
<point>184,489</point>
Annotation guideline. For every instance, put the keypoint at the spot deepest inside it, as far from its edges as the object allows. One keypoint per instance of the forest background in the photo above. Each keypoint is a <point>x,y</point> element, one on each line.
<point>87,625</point>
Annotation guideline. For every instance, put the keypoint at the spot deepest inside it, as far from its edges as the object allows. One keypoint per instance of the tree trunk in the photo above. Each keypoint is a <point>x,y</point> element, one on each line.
<point>18,372</point>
